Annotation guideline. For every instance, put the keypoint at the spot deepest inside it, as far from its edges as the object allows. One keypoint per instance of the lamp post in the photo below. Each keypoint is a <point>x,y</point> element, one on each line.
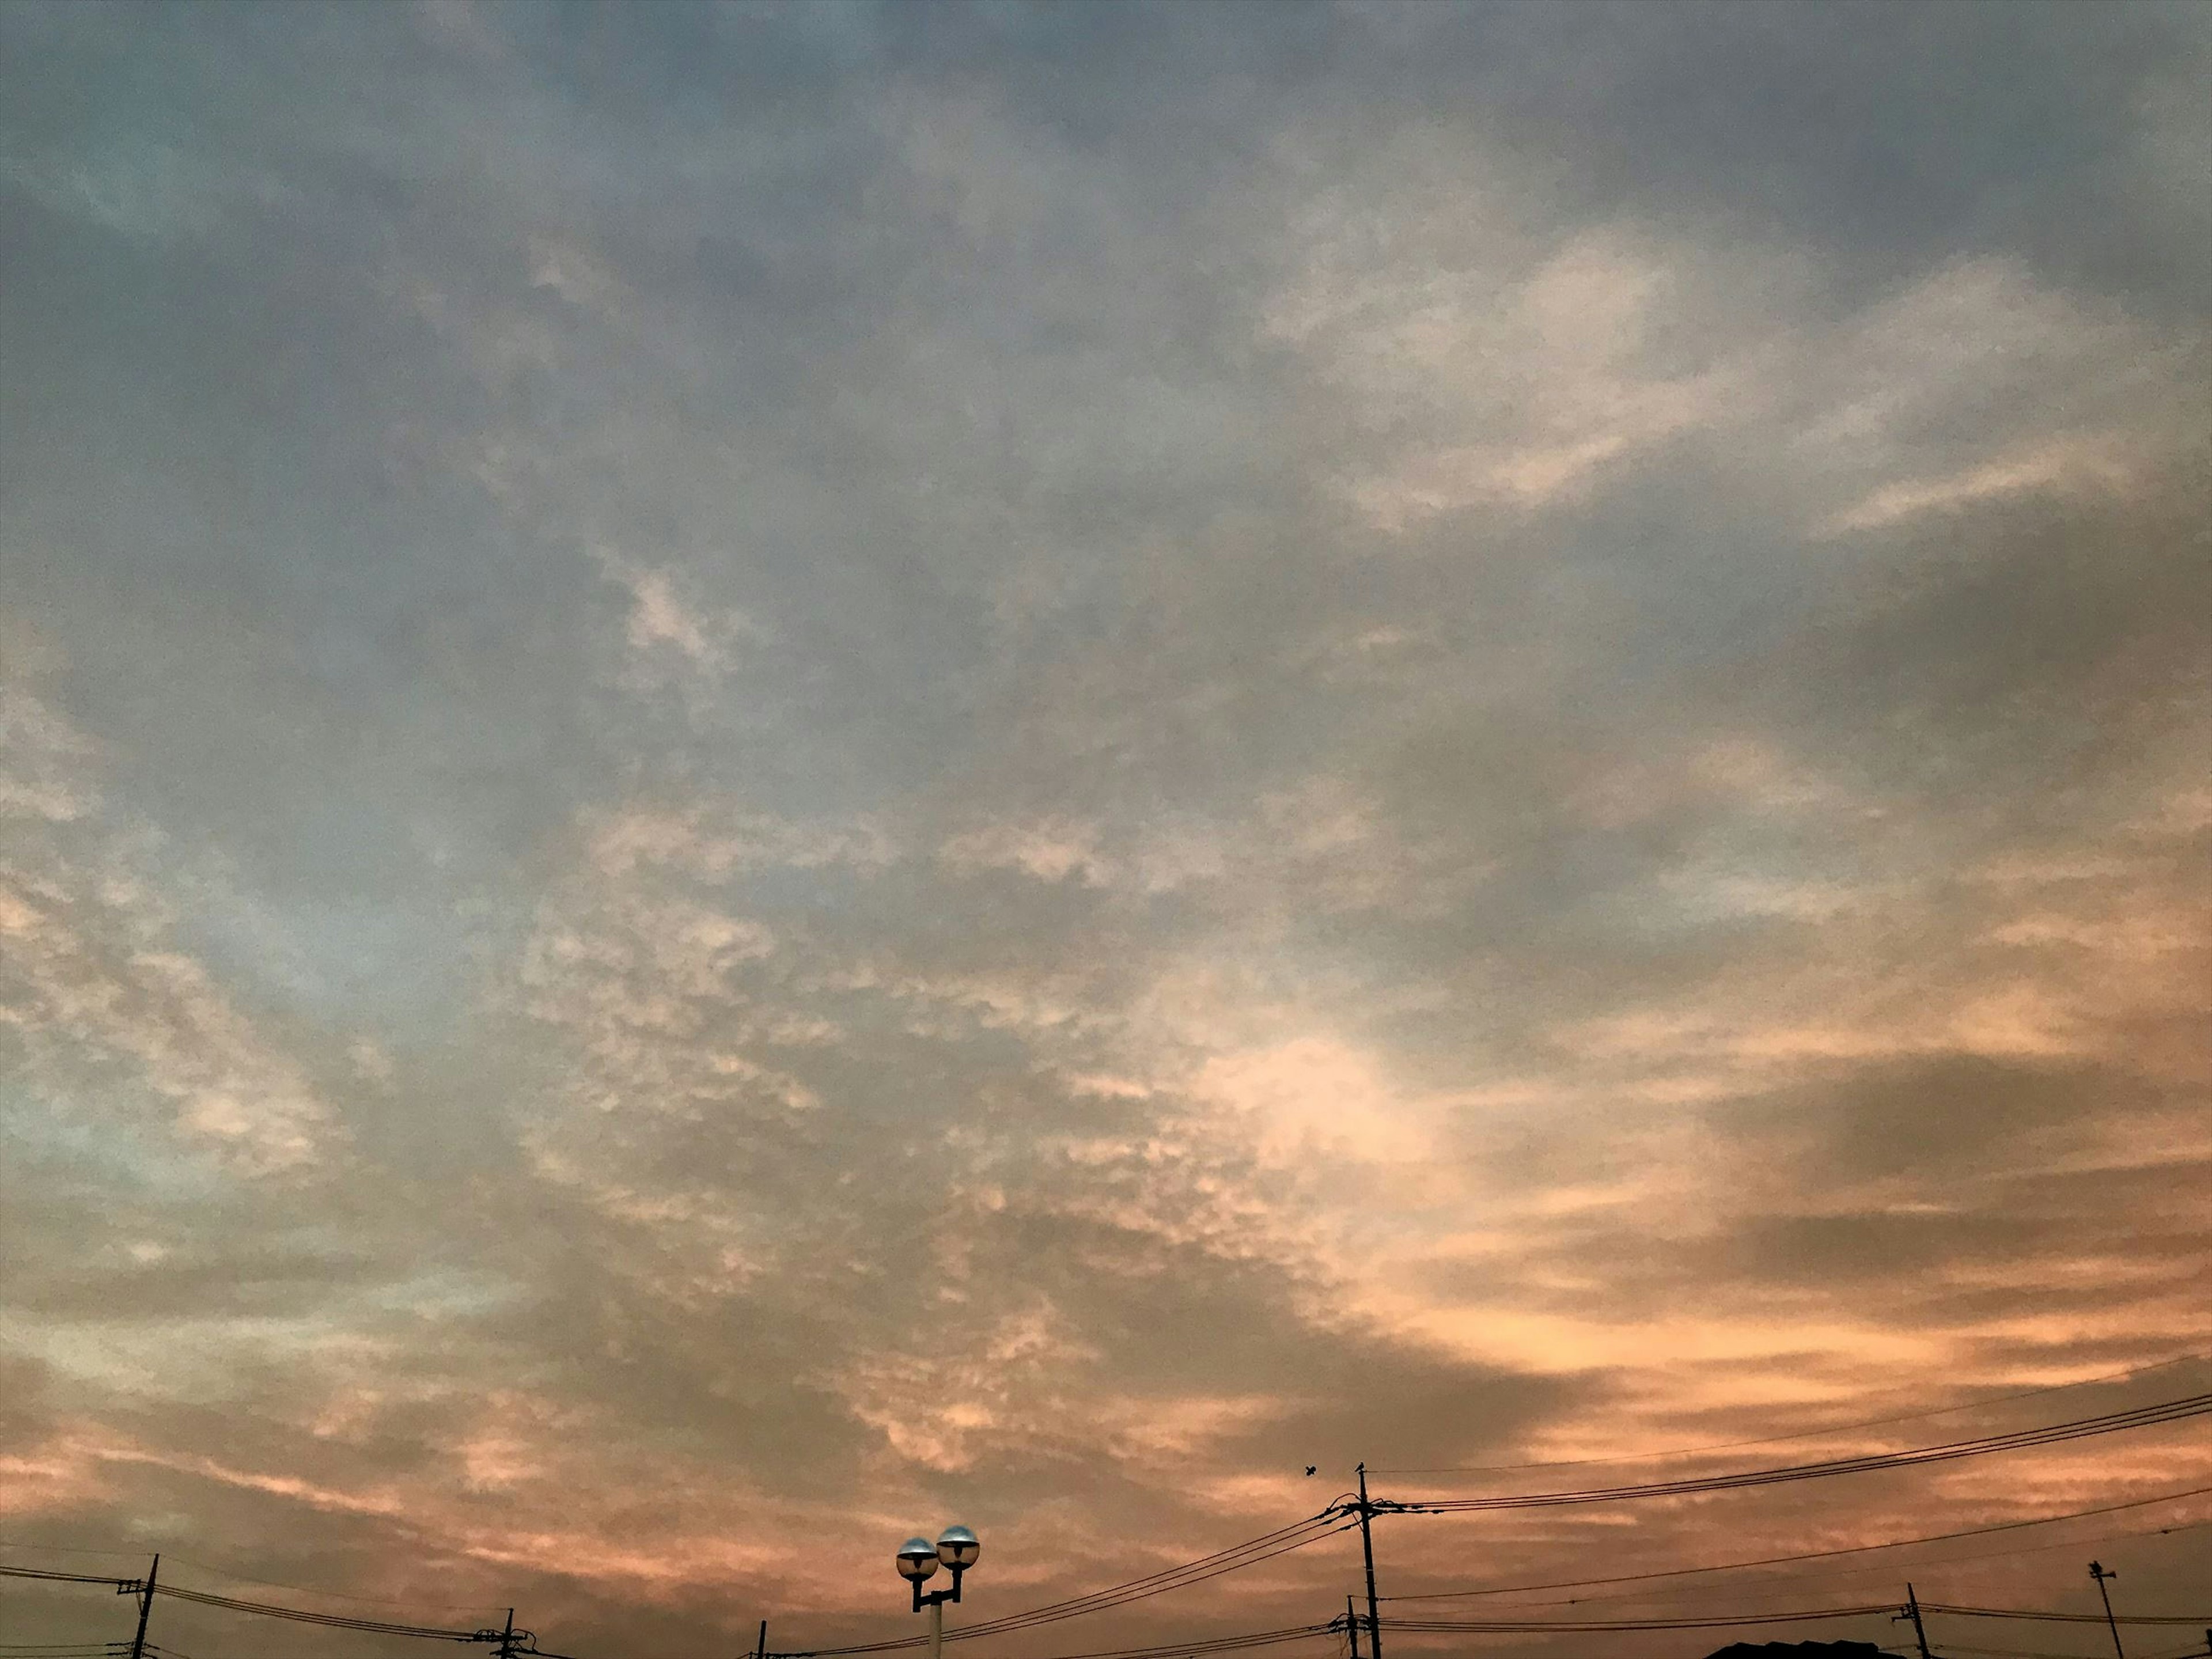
<point>918,1558</point>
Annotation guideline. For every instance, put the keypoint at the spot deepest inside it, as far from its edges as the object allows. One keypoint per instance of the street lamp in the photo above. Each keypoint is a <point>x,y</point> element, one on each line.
<point>918,1558</point>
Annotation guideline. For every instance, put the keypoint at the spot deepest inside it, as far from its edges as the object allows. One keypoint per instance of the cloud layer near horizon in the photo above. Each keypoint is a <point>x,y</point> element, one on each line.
<point>775,773</point>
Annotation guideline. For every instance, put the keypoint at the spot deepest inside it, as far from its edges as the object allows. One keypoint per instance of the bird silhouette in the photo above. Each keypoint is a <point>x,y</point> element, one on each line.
<point>1311,1468</point>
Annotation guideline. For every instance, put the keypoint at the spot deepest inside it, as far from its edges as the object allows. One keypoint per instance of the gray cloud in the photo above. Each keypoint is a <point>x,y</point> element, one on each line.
<point>770,771</point>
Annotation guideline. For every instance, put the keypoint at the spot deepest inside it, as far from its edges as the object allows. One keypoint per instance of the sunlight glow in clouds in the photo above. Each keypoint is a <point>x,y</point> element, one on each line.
<point>768,775</point>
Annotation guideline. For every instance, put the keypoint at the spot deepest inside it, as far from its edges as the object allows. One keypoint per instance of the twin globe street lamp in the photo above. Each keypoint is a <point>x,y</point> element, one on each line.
<point>918,1558</point>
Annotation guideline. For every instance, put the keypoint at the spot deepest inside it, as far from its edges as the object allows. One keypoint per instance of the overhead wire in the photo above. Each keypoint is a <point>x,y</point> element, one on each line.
<point>1532,1627</point>
<point>266,1609</point>
<point>2170,1411</point>
<point>1213,1644</point>
<point>1956,1610</point>
<point>335,1595</point>
<point>1715,1621</point>
<point>1142,1589</point>
<point>1801,1555</point>
<point>1805,1434</point>
<point>1679,1592</point>
<point>328,1621</point>
<point>70,1577</point>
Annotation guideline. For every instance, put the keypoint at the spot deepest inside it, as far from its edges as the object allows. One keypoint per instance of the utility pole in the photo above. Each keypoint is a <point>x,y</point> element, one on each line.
<point>506,1647</point>
<point>145,1609</point>
<point>761,1652</point>
<point>1352,1627</point>
<point>1367,1548</point>
<point>1912,1611</point>
<point>2097,1571</point>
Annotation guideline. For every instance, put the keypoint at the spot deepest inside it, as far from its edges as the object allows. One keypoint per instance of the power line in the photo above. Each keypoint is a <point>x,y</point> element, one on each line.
<point>2170,1411</point>
<point>1804,1434</point>
<point>1717,1621</point>
<point>335,1595</point>
<point>71,1577</point>
<point>1861,1572</point>
<point>2198,1619</point>
<point>220,1572</point>
<point>264,1609</point>
<point>1803,1555</point>
<point>328,1620</point>
<point>1134,1593</point>
<point>1213,1645</point>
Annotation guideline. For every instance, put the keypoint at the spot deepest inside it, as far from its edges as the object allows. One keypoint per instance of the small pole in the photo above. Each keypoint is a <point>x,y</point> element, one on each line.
<point>2097,1571</point>
<point>1919,1630</point>
<point>936,1629</point>
<point>1352,1627</point>
<point>1367,1548</point>
<point>761,1652</point>
<point>145,1610</point>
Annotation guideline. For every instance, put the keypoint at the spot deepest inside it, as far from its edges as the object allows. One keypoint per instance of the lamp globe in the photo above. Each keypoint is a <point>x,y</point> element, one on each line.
<point>958,1548</point>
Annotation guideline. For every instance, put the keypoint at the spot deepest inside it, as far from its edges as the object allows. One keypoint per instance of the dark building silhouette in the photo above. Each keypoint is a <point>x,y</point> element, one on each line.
<point>1799,1651</point>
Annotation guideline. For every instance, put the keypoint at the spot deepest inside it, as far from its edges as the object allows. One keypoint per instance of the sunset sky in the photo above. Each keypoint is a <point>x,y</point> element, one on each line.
<point>772,775</point>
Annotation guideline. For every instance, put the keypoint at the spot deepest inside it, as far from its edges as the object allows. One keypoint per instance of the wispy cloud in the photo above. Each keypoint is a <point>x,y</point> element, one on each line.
<point>774,774</point>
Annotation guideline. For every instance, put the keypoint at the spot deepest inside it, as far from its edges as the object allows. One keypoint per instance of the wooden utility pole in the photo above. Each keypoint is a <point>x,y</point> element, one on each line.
<point>1919,1630</point>
<point>145,1610</point>
<point>2097,1571</point>
<point>1367,1548</point>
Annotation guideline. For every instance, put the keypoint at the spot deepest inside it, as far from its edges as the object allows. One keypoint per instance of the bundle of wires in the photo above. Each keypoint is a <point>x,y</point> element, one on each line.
<point>2169,1411</point>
